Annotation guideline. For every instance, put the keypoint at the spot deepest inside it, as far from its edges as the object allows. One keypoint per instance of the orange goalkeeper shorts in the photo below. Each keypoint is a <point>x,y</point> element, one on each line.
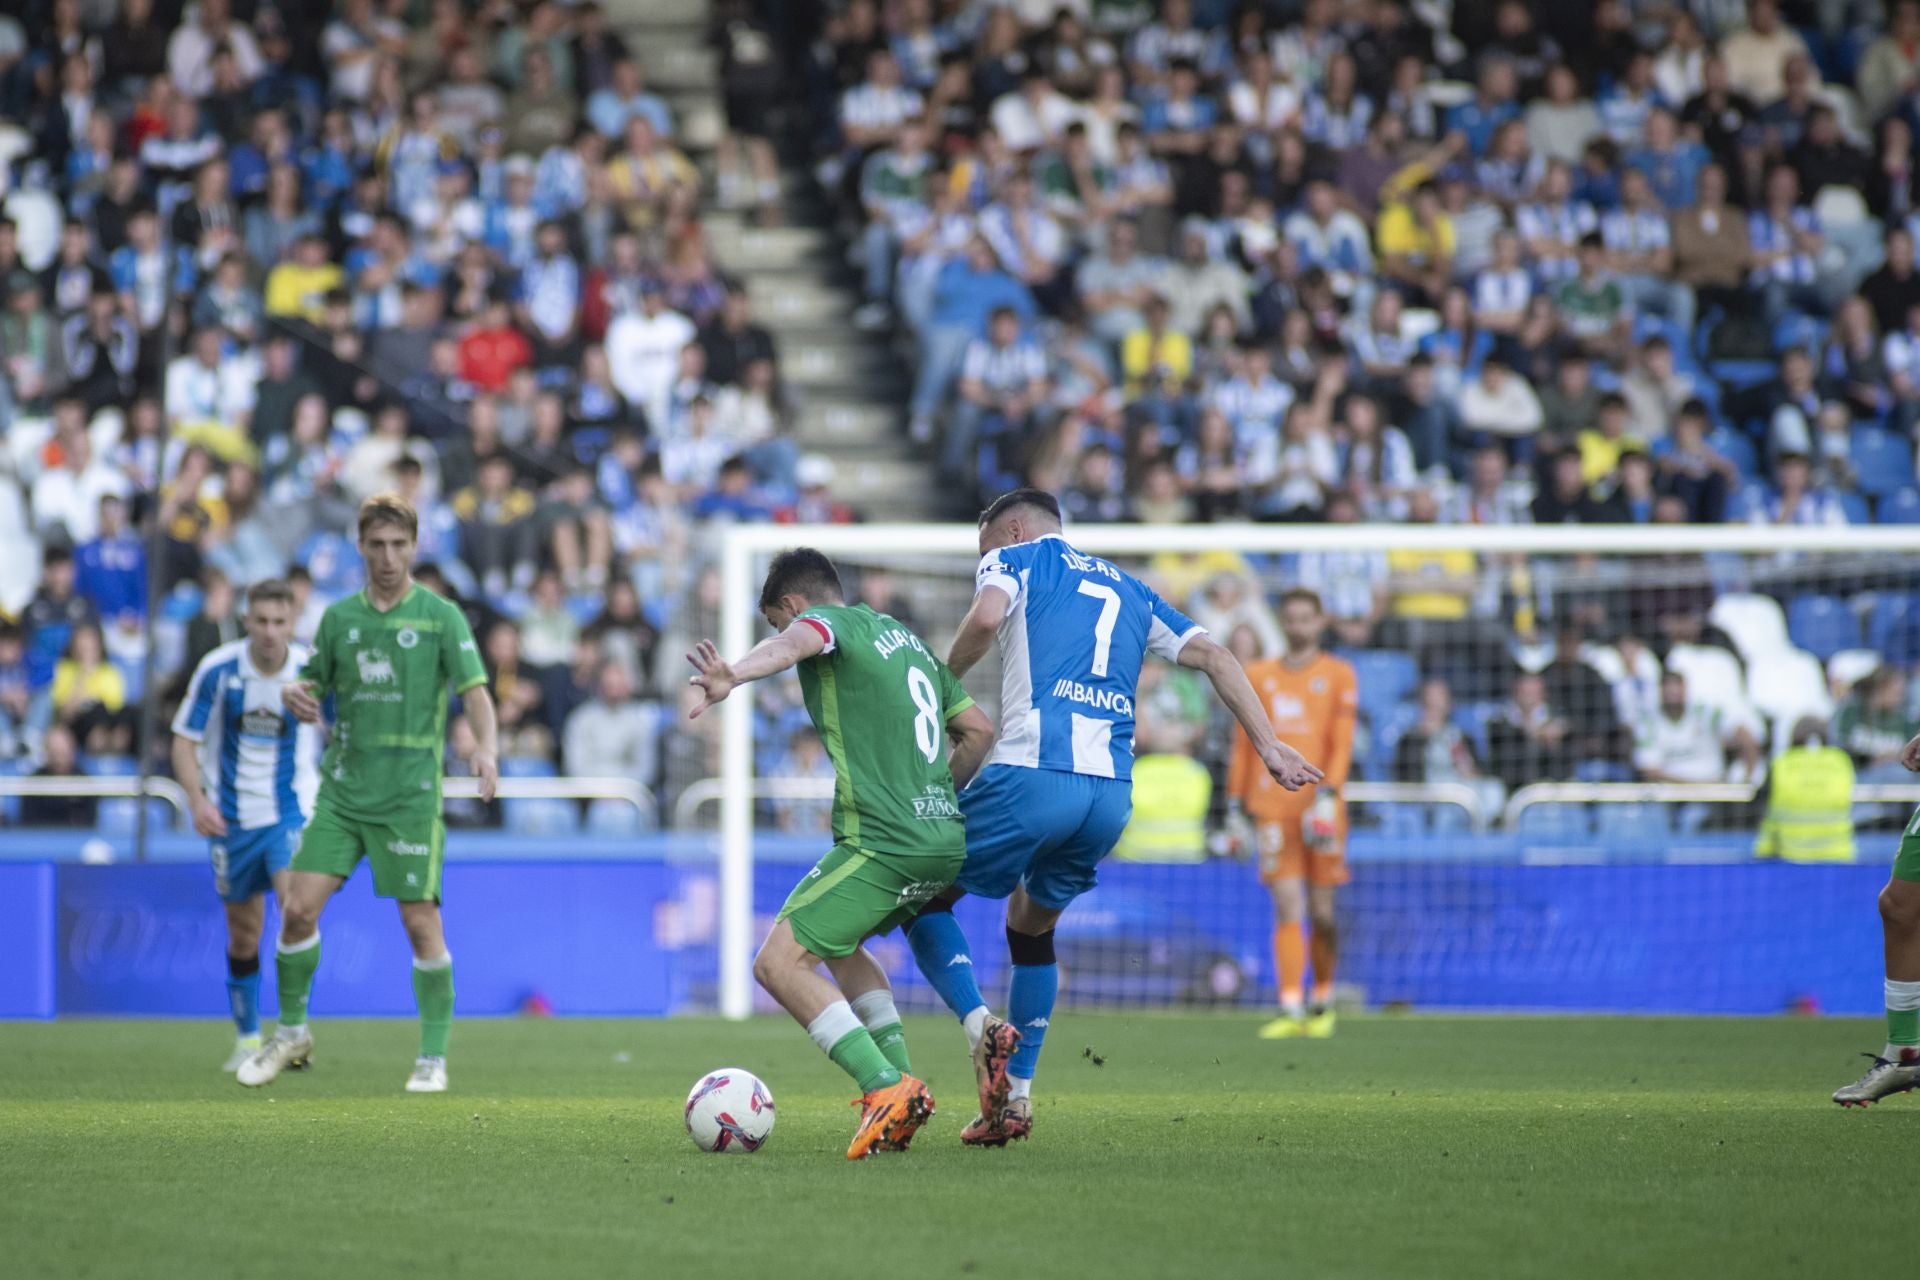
<point>1284,854</point>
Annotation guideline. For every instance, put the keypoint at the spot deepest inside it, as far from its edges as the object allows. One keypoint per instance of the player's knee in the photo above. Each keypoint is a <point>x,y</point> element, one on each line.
<point>941,906</point>
<point>1900,911</point>
<point>1030,948</point>
<point>1324,924</point>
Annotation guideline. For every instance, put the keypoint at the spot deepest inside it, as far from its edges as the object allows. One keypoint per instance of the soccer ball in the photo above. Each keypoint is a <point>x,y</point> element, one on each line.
<point>730,1110</point>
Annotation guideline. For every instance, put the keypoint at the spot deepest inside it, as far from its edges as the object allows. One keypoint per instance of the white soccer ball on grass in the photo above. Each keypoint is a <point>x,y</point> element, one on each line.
<point>730,1111</point>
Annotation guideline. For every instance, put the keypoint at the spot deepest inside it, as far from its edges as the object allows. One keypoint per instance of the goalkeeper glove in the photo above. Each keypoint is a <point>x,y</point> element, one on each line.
<point>1320,828</point>
<point>1236,834</point>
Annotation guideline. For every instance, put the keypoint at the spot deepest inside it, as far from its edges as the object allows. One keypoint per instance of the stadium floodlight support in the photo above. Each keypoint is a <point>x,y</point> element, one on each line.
<point>742,545</point>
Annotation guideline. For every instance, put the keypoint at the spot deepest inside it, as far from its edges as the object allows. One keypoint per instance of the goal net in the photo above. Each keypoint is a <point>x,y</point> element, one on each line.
<point>1559,775</point>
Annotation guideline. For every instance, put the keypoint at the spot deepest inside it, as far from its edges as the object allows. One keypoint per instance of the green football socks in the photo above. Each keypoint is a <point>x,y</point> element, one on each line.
<point>876,1012</point>
<point>433,993</point>
<point>840,1035</point>
<point>294,965</point>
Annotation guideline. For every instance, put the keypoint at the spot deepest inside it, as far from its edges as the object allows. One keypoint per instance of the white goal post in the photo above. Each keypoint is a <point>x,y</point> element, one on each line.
<point>743,547</point>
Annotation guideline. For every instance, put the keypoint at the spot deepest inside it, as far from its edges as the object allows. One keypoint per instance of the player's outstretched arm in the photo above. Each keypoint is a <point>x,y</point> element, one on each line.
<point>971,734</point>
<point>484,720</point>
<point>1289,768</point>
<point>1911,756</point>
<point>186,771</point>
<point>978,628</point>
<point>717,677</point>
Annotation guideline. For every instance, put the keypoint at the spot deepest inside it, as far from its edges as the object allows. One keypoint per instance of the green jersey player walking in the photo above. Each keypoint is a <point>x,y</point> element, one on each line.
<point>882,703</point>
<point>387,657</point>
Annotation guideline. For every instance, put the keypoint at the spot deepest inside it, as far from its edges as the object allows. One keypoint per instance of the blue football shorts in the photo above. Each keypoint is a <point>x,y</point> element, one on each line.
<point>1040,828</point>
<point>244,861</point>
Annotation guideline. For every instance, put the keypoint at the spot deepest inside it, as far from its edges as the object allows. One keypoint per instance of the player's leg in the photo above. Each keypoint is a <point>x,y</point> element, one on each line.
<point>1289,894</point>
<point>432,992</point>
<point>1323,945</point>
<point>1896,1068</point>
<point>827,917</point>
<point>244,922</point>
<point>864,983</point>
<point>296,959</point>
<point>999,842</point>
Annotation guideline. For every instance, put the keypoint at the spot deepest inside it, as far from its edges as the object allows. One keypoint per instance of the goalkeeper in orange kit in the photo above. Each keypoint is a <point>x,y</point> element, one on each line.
<point>1301,836</point>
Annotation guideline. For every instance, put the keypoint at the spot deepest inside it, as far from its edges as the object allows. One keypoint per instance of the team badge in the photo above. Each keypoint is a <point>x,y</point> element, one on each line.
<point>407,638</point>
<point>353,635</point>
<point>1318,685</point>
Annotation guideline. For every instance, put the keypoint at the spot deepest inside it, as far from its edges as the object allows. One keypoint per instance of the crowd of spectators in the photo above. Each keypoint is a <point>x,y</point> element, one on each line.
<point>1193,260</point>
<point>261,259</point>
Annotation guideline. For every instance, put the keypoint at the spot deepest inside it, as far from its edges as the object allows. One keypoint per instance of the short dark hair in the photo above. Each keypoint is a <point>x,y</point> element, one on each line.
<point>802,572</point>
<point>1039,499</point>
<point>1304,595</point>
<point>270,591</point>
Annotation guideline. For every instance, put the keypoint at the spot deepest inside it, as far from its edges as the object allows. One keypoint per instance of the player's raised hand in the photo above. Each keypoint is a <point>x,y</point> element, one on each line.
<point>207,820</point>
<point>297,696</point>
<point>1288,767</point>
<point>715,679</point>
<point>1911,756</point>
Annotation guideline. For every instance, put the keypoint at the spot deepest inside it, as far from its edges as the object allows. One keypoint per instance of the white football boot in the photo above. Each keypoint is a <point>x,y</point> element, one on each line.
<point>429,1076</point>
<point>289,1049</point>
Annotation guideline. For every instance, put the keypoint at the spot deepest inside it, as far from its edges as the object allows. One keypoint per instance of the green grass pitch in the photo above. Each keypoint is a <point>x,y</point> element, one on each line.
<point>1405,1147</point>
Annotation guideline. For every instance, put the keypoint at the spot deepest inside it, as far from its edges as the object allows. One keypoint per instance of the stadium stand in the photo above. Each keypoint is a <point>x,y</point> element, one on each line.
<point>1303,260</point>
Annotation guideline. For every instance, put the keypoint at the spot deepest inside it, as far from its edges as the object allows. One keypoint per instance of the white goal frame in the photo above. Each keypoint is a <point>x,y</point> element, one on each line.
<point>741,543</point>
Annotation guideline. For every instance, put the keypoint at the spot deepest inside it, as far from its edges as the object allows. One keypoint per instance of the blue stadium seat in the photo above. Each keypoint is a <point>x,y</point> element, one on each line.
<point>1738,448</point>
<point>1855,505</point>
<point>108,766</point>
<point>182,603</point>
<point>1473,718</point>
<point>1796,329</point>
<point>1633,821</point>
<point>1822,625</point>
<point>1404,821</point>
<point>120,816</point>
<point>1385,678</point>
<point>1893,627</point>
<point>541,817</point>
<point>1882,460</point>
<point>1602,771</point>
<point>526,767</point>
<point>334,561</point>
<point>1556,821</point>
<point>1741,374</point>
<point>10,805</point>
<point>1902,506</point>
<point>613,818</point>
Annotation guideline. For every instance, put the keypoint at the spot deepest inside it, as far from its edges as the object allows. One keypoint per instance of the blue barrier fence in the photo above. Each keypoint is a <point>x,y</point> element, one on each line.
<point>618,928</point>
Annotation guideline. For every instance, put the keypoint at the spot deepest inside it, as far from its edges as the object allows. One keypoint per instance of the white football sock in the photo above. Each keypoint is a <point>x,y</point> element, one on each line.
<point>832,1026</point>
<point>1900,995</point>
<point>1018,1088</point>
<point>976,1025</point>
<point>875,1009</point>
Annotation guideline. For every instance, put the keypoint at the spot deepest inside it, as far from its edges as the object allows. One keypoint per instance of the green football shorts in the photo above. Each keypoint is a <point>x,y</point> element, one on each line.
<point>854,893</point>
<point>406,858</point>
<point>1906,863</point>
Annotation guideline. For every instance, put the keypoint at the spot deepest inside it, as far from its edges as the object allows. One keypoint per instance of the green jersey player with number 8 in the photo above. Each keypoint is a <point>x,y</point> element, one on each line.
<point>882,703</point>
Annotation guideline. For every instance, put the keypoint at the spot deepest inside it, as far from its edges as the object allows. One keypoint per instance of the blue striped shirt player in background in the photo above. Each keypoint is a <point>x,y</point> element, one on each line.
<point>250,771</point>
<point>1056,790</point>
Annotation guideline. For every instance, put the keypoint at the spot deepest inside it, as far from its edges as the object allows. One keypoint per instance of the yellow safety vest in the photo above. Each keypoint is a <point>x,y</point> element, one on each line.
<point>1170,798</point>
<point>1809,807</point>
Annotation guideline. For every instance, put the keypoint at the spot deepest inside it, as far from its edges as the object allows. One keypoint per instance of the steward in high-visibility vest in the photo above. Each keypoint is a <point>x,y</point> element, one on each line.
<point>1170,799</point>
<point>1809,801</point>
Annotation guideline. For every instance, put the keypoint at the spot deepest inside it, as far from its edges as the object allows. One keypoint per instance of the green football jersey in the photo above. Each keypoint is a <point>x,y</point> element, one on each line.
<point>881,702</point>
<point>388,674</point>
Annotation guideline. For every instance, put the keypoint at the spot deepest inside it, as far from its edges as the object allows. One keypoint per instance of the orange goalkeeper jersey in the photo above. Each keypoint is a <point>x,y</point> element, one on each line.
<point>1313,710</point>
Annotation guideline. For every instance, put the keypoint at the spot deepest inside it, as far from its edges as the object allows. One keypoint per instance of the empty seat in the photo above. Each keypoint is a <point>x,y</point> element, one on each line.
<point>1902,506</point>
<point>526,767</point>
<point>613,818</point>
<point>120,816</point>
<point>1712,674</point>
<point>1893,627</point>
<point>108,766</point>
<point>1822,625</point>
<point>1850,666</point>
<point>1634,820</point>
<point>1384,678</point>
<point>541,817</point>
<point>1882,460</point>
<point>1555,820</point>
<point>1755,623</point>
<point>1787,686</point>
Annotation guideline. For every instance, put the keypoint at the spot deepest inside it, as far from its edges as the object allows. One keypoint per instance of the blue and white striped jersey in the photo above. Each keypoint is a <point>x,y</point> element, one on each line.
<point>258,764</point>
<point>1070,653</point>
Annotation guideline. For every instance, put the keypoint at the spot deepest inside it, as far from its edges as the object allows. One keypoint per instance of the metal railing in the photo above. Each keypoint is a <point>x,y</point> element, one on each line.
<point>128,787</point>
<point>1539,793</point>
<point>626,790</point>
<point>708,791</point>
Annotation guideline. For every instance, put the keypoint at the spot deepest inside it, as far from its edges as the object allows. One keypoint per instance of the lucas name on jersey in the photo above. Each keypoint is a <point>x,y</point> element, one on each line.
<point>1088,564</point>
